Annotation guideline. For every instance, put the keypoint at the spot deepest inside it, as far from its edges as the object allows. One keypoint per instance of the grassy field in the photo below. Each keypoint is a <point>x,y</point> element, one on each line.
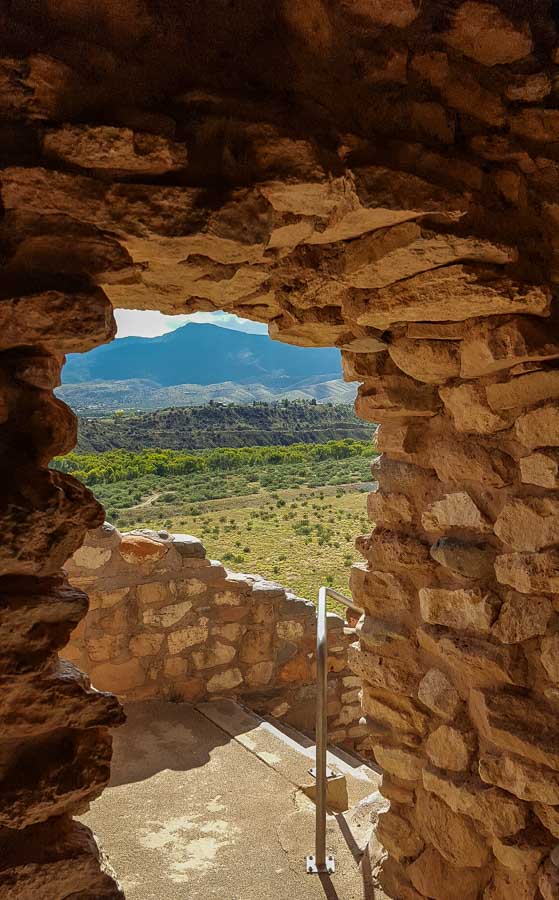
<point>295,523</point>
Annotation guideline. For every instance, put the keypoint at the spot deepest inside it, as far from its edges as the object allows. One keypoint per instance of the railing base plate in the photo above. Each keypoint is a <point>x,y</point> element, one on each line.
<point>328,868</point>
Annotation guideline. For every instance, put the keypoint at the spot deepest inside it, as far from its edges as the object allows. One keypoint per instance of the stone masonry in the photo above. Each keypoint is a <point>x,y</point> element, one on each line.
<point>166,622</point>
<point>378,176</point>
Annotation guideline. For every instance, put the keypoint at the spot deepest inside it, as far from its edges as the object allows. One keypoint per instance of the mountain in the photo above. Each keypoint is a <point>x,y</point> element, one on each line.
<point>198,363</point>
<point>217,425</point>
<point>203,354</point>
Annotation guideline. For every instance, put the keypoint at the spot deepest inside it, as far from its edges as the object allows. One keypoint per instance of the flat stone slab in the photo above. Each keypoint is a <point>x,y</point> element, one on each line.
<point>191,813</point>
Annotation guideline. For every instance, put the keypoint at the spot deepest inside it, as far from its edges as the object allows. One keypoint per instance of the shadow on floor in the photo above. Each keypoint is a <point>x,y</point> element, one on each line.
<point>159,735</point>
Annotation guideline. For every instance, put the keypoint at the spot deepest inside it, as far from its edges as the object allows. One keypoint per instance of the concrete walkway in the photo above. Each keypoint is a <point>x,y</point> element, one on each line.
<point>191,813</point>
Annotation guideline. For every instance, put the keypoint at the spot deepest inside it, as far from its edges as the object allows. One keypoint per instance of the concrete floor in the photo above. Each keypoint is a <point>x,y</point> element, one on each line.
<point>191,813</point>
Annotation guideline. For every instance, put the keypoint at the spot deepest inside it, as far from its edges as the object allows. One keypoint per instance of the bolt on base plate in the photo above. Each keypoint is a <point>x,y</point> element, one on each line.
<point>327,869</point>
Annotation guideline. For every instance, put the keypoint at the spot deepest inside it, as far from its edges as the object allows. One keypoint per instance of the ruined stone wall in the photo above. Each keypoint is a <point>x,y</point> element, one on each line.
<point>166,622</point>
<point>459,648</point>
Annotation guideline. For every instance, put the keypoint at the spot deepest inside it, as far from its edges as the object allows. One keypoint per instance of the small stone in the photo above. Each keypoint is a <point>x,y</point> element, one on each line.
<point>529,573</point>
<point>529,88</point>
<point>399,14</point>
<point>456,510</point>
<point>399,762</point>
<point>225,681</point>
<point>179,640</point>
<point>466,559</point>
<point>290,630</point>
<point>518,724</point>
<point>522,853</point>
<point>541,468</point>
<point>166,616</point>
<point>550,656</point>
<point>539,427</point>
<point>389,509</point>
<point>465,608</point>
<point>548,816</point>
<point>118,677</point>
<point>430,361</point>
<point>524,390</point>
<point>393,711</point>
<point>259,674</point>
<point>217,654</point>
<point>470,411</point>
<point>398,836</point>
<point>388,673</point>
<point>139,550</point>
<point>522,617</point>
<point>467,795</point>
<point>447,748</point>
<point>456,837</point>
<point>530,523</point>
<point>475,662</point>
<point>434,877</point>
<point>145,644</point>
<point>175,666</point>
<point>437,693</point>
<point>489,348</point>
<point>91,557</point>
<point>548,880</point>
<point>482,32</point>
<point>524,779</point>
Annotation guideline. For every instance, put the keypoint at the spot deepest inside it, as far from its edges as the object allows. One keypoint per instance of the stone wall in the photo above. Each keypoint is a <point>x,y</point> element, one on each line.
<point>164,621</point>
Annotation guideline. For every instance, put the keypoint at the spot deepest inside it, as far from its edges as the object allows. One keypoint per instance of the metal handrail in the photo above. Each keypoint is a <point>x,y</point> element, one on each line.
<point>320,863</point>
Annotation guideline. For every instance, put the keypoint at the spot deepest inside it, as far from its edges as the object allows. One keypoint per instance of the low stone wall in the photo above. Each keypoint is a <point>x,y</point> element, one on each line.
<point>165,621</point>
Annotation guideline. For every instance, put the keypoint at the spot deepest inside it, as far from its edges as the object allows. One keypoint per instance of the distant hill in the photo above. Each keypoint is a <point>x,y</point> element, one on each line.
<point>216,425</point>
<point>203,354</point>
<point>99,397</point>
<point>198,363</point>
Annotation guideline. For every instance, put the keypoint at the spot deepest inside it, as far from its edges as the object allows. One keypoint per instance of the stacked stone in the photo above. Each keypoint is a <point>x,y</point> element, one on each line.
<point>459,650</point>
<point>164,621</point>
<point>55,746</point>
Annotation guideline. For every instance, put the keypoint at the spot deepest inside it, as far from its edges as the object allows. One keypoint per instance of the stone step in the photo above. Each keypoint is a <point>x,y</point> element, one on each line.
<point>292,755</point>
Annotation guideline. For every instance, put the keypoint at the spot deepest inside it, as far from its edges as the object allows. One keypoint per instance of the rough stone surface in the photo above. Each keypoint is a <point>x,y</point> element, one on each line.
<point>388,185</point>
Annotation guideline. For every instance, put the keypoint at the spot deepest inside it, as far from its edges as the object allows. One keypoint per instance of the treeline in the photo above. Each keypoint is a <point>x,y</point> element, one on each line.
<point>223,425</point>
<point>125,465</point>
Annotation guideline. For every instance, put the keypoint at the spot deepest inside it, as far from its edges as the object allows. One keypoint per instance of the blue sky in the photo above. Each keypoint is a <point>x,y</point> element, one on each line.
<point>148,323</point>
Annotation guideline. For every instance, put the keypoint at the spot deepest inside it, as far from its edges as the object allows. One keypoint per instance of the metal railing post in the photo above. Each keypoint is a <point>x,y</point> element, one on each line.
<point>320,863</point>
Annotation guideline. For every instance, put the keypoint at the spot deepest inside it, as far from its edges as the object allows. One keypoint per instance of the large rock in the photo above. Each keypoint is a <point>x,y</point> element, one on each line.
<point>517,776</point>
<point>522,617</point>
<point>456,510</point>
<point>470,411</point>
<point>466,608</point>
<point>530,523</point>
<point>539,427</point>
<point>448,748</point>
<point>541,468</point>
<point>438,694</point>
<point>517,723</point>
<point>524,390</point>
<point>114,151</point>
<point>452,293</point>
<point>430,361</point>
<point>386,672</point>
<point>492,808</point>
<point>491,346</point>
<point>398,835</point>
<point>400,762</point>
<point>529,572</point>
<point>434,877</point>
<point>474,662</point>
<point>393,711</point>
<point>482,32</point>
<point>456,837</point>
<point>464,558</point>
